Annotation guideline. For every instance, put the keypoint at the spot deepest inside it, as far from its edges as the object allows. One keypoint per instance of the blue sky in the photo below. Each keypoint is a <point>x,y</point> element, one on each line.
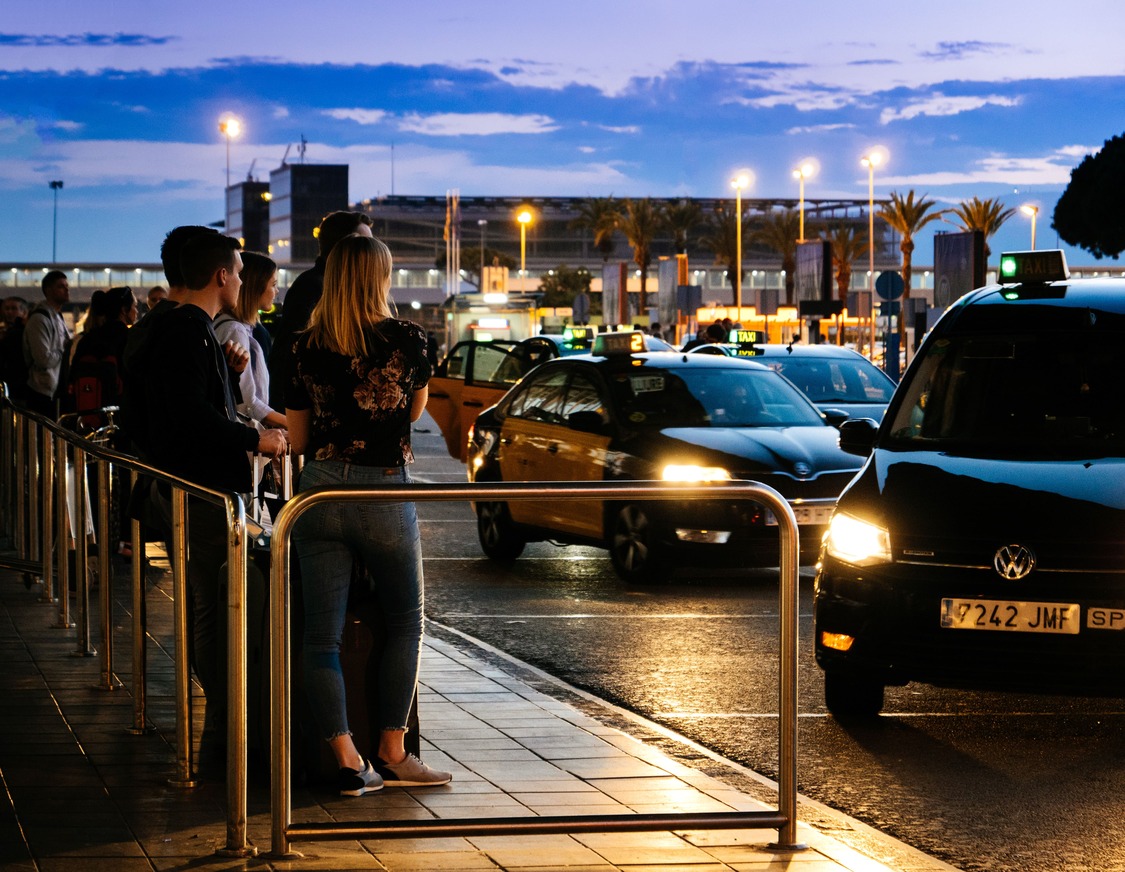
<point>122,101</point>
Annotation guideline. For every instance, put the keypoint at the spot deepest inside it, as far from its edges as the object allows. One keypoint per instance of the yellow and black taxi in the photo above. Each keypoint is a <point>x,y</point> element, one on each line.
<point>476,374</point>
<point>983,542</point>
<point>622,414</point>
<point>833,377</point>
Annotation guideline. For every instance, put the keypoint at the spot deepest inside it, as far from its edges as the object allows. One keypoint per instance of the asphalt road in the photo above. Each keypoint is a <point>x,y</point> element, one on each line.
<point>983,781</point>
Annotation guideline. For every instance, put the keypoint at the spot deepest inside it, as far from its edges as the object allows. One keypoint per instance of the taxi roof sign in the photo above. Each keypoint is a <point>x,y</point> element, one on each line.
<point>578,337</point>
<point>747,337</point>
<point>615,344</point>
<point>1033,267</point>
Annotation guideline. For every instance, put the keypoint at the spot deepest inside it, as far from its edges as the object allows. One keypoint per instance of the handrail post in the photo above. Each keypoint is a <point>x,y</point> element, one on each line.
<point>184,776</point>
<point>19,538</point>
<point>47,505</point>
<point>34,548</point>
<point>81,554</point>
<point>140,624</point>
<point>62,537</point>
<point>105,575</point>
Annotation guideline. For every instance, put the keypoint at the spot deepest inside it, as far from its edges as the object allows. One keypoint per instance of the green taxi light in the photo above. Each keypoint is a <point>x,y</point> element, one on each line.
<point>1008,267</point>
<point>577,337</point>
<point>747,337</point>
<point>1033,267</point>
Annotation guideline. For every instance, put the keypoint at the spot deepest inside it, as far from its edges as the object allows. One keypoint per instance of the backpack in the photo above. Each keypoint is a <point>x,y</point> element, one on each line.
<point>93,382</point>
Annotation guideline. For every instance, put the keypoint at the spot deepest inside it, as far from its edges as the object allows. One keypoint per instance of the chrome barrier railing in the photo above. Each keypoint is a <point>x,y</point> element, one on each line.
<point>43,483</point>
<point>284,831</point>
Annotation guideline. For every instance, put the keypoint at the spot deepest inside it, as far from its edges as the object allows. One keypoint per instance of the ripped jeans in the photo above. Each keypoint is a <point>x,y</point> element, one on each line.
<point>385,537</point>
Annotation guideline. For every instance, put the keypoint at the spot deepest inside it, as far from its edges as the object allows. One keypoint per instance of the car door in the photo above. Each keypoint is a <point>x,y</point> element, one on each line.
<point>533,423</point>
<point>474,376</point>
<point>579,453</point>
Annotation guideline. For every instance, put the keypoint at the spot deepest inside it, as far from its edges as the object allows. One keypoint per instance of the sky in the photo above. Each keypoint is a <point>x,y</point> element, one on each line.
<point>121,101</point>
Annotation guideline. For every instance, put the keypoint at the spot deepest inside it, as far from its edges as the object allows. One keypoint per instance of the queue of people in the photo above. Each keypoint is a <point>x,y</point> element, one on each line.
<point>200,395</point>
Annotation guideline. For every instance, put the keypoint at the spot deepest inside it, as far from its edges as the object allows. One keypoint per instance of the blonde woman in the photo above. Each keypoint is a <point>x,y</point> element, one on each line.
<point>359,381</point>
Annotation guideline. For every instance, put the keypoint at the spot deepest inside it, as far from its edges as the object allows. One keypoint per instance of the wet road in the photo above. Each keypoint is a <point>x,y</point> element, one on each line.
<point>983,781</point>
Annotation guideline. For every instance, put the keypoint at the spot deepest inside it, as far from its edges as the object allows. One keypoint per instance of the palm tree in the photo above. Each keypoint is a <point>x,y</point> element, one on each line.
<point>680,218</point>
<point>639,222</point>
<point>907,216</point>
<point>779,231</point>
<point>847,243</point>
<point>719,238</point>
<point>987,216</point>
<point>599,215</point>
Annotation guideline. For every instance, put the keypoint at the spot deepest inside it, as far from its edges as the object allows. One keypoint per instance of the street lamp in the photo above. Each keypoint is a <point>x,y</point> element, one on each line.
<point>56,186</point>
<point>524,218</point>
<point>871,160</point>
<point>230,127</point>
<point>1033,211</point>
<point>482,223</point>
<point>742,179</point>
<point>806,170</point>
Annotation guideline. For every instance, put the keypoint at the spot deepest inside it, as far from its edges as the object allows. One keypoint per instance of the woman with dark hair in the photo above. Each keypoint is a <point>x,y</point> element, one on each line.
<point>359,380</point>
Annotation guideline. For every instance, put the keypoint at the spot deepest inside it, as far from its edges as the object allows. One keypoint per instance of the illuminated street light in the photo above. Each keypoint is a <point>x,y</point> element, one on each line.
<point>230,127</point>
<point>56,186</point>
<point>524,218</point>
<point>1033,211</point>
<point>742,179</point>
<point>806,170</point>
<point>871,160</point>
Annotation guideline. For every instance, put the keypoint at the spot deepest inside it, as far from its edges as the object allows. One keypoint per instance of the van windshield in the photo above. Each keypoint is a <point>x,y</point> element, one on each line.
<point>1050,394</point>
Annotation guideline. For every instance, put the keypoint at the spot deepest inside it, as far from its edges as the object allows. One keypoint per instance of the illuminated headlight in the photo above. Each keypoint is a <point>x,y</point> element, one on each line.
<point>705,537</point>
<point>693,473</point>
<point>855,541</point>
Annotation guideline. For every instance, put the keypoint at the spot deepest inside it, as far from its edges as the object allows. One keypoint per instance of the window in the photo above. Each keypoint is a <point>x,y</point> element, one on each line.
<point>542,399</point>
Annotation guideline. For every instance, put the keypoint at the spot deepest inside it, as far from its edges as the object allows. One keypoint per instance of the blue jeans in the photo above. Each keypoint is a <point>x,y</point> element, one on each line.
<point>384,536</point>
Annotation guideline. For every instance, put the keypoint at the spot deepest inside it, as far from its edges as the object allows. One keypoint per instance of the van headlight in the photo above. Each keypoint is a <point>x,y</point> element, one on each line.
<point>693,473</point>
<point>858,542</point>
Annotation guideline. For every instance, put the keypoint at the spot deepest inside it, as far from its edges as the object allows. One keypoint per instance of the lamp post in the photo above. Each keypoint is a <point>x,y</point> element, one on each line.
<point>56,186</point>
<point>524,218</point>
<point>482,223</point>
<point>871,160</point>
<point>806,170</point>
<point>230,127</point>
<point>1033,211</point>
<point>743,179</point>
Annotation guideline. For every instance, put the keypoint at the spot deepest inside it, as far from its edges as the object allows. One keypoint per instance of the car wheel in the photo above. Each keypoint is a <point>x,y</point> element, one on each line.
<point>497,533</point>
<point>634,549</point>
<point>852,696</point>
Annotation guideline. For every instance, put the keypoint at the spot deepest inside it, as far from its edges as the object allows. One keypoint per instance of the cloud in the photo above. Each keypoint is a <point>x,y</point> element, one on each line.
<point>821,128</point>
<point>803,97</point>
<point>631,128</point>
<point>67,126</point>
<point>587,149</point>
<point>475,124</point>
<point>280,112</point>
<point>998,169</point>
<point>359,116</point>
<point>955,51</point>
<point>82,40</point>
<point>938,104</point>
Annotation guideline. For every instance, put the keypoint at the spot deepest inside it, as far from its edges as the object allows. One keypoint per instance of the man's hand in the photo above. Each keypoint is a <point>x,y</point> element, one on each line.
<point>237,356</point>
<point>273,443</point>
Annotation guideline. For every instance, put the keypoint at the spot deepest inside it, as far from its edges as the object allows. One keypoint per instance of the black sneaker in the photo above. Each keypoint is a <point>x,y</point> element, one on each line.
<point>357,783</point>
<point>411,772</point>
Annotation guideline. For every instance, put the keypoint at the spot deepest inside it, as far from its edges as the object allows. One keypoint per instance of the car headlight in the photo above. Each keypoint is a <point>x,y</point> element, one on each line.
<point>693,473</point>
<point>858,542</point>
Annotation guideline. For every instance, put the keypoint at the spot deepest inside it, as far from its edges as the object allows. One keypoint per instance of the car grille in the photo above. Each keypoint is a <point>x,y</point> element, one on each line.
<point>1051,556</point>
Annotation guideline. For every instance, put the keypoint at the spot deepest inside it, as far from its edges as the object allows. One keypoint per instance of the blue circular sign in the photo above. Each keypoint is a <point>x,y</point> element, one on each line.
<point>889,285</point>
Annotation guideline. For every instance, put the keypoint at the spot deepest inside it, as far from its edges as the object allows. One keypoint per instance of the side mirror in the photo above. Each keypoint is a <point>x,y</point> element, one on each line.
<point>586,422</point>
<point>857,436</point>
<point>835,417</point>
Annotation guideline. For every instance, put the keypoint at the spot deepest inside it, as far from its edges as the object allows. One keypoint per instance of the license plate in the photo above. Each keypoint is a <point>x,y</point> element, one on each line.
<point>805,515</point>
<point>1009,616</point>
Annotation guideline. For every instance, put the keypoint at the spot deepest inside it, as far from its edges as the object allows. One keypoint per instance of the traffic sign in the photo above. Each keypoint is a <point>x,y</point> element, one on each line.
<point>889,285</point>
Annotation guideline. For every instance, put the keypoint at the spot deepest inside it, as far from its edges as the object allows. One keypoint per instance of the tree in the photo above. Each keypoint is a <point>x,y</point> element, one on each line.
<point>680,218</point>
<point>639,222</point>
<point>779,231</point>
<point>847,244</point>
<point>600,216</point>
<point>907,216</point>
<point>471,261</point>
<point>720,238</point>
<point>562,284</point>
<point>1088,214</point>
<point>987,216</point>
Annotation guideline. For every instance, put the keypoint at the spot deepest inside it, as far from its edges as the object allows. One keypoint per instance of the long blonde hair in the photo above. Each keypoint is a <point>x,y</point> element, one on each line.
<point>357,285</point>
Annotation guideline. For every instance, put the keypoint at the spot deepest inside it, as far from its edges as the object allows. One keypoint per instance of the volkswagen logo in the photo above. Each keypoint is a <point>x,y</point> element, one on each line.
<point>802,469</point>
<point>1014,562</point>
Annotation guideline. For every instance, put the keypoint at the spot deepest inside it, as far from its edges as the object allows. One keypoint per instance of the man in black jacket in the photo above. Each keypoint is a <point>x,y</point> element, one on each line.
<point>194,433</point>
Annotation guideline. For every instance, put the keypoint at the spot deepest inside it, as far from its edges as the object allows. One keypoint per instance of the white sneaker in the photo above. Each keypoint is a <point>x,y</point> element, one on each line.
<point>411,772</point>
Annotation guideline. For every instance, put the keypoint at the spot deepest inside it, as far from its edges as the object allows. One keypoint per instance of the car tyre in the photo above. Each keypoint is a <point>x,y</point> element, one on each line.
<point>633,547</point>
<point>850,696</point>
<point>499,539</point>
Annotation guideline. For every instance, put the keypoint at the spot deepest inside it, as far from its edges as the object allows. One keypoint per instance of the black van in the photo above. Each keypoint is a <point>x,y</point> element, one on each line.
<point>983,542</point>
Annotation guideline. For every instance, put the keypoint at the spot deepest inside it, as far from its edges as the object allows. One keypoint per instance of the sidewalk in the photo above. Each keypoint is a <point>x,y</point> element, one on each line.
<point>78,792</point>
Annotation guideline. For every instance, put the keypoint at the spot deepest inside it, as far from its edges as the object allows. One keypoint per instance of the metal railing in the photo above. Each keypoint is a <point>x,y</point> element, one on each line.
<point>284,831</point>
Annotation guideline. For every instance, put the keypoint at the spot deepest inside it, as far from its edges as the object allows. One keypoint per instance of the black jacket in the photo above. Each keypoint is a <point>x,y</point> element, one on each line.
<point>300,299</point>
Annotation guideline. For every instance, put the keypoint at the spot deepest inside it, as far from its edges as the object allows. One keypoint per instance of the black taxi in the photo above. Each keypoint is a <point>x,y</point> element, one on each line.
<point>622,414</point>
<point>983,543</point>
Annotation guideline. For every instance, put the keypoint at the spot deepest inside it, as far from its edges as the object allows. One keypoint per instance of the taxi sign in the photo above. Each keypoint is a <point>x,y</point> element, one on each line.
<point>615,344</point>
<point>578,337</point>
<point>747,337</point>
<point>1034,267</point>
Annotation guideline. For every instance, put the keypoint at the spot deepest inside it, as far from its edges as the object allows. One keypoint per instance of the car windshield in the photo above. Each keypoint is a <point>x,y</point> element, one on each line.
<point>836,380</point>
<point>710,397</point>
<point>1050,394</point>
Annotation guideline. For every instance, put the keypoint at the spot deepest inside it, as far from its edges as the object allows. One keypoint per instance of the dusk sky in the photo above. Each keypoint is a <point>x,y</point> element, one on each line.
<point>122,102</point>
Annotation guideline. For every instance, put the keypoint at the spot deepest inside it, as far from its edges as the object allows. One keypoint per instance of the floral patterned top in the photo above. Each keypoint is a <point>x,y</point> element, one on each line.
<point>361,405</point>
